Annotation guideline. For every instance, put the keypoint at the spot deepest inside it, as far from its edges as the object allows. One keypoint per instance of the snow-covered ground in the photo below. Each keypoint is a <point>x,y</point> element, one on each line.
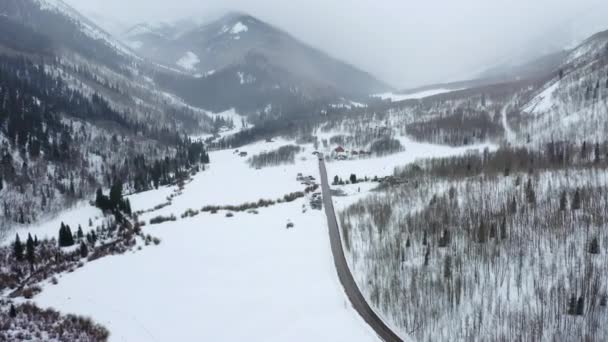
<point>419,95</point>
<point>229,180</point>
<point>240,122</point>
<point>215,278</point>
<point>544,101</point>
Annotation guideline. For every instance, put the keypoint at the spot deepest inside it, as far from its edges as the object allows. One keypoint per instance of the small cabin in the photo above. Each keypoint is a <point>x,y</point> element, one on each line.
<point>243,154</point>
<point>339,149</point>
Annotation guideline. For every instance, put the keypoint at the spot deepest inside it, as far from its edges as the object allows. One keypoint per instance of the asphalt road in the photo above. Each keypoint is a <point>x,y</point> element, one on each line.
<point>346,278</point>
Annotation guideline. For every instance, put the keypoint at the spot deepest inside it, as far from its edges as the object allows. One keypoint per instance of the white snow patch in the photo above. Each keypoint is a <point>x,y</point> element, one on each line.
<point>206,74</point>
<point>188,61</point>
<point>544,101</point>
<point>245,78</point>
<point>419,95</point>
<point>239,28</point>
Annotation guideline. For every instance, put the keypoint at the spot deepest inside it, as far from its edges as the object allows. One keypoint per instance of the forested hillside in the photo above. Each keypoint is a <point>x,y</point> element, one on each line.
<point>502,245</point>
<point>58,146</point>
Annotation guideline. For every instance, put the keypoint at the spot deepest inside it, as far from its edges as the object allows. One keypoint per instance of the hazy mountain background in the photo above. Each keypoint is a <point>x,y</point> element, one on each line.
<point>404,43</point>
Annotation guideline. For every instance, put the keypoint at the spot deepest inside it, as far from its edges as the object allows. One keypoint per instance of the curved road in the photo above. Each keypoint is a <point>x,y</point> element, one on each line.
<point>346,278</point>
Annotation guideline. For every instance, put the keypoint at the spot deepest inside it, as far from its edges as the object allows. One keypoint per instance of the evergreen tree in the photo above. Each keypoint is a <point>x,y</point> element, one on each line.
<point>69,236</point>
<point>61,239</point>
<point>576,201</point>
<point>572,306</point>
<point>128,207</point>
<point>12,312</point>
<point>30,250</point>
<point>563,201</point>
<point>424,238</point>
<point>84,250</point>
<point>584,151</point>
<point>101,201</point>
<point>353,179</point>
<point>408,243</point>
<point>447,267</point>
<point>444,240</point>
<point>115,194</point>
<point>482,235</point>
<point>594,246</point>
<point>80,233</point>
<point>66,238</point>
<point>18,249</point>
<point>493,231</point>
<point>21,216</point>
<point>530,194</point>
<point>503,228</point>
<point>580,306</point>
<point>513,206</point>
<point>72,190</point>
<point>427,255</point>
<point>596,153</point>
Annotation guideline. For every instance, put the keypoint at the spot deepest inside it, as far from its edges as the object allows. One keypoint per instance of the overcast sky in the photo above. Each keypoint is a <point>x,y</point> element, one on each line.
<point>404,42</point>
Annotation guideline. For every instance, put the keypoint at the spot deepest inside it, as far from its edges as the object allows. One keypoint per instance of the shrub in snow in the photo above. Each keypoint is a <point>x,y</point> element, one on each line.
<point>283,155</point>
<point>162,219</point>
<point>27,322</point>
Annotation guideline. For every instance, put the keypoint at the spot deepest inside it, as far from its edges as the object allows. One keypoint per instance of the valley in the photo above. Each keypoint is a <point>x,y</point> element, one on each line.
<point>222,180</point>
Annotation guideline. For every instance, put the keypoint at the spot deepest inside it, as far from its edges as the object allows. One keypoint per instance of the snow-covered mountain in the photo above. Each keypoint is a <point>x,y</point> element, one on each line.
<point>93,61</point>
<point>227,44</point>
<point>548,50</point>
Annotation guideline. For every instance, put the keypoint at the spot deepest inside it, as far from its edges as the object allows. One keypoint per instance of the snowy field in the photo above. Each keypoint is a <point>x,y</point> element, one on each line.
<point>418,95</point>
<point>215,278</point>
<point>229,180</point>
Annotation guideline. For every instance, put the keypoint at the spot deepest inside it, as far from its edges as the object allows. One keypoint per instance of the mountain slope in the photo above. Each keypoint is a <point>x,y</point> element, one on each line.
<point>89,59</point>
<point>573,104</point>
<point>78,112</point>
<point>229,43</point>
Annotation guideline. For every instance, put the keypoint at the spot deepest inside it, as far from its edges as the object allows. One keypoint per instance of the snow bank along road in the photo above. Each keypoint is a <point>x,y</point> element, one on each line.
<point>346,278</point>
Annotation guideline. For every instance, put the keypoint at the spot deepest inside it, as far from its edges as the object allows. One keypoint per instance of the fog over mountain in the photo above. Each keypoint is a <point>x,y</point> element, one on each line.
<point>405,43</point>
